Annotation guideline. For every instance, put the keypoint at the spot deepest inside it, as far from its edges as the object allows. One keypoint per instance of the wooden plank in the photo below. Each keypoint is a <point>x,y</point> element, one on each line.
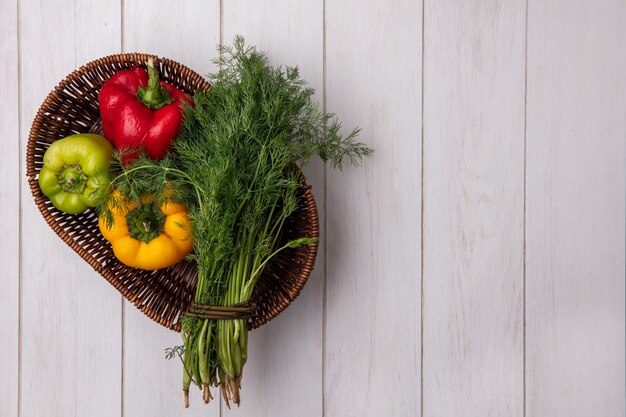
<point>283,375</point>
<point>372,332</point>
<point>9,210</point>
<point>71,334</point>
<point>576,159</point>
<point>189,35</point>
<point>473,208</point>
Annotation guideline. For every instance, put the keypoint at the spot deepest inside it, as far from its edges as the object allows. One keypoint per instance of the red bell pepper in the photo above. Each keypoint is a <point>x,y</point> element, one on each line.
<point>140,111</point>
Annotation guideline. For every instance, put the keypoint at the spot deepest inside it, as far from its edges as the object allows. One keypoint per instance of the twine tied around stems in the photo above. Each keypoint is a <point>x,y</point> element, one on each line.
<point>234,312</point>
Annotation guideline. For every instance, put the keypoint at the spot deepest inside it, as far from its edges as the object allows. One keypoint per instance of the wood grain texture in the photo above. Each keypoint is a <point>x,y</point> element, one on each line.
<point>71,344</point>
<point>283,376</point>
<point>9,210</point>
<point>373,70</point>
<point>473,208</point>
<point>576,156</point>
<point>189,34</point>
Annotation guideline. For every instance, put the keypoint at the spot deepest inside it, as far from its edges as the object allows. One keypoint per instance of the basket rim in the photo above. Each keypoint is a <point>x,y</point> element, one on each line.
<point>309,204</point>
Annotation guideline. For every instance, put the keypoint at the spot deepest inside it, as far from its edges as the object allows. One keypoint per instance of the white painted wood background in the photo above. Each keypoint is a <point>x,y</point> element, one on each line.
<point>473,267</point>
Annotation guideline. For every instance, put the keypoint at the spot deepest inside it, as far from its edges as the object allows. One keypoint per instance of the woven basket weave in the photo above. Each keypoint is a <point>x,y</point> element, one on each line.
<point>163,295</point>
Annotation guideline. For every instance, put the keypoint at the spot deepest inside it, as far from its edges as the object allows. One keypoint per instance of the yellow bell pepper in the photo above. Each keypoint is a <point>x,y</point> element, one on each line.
<point>146,236</point>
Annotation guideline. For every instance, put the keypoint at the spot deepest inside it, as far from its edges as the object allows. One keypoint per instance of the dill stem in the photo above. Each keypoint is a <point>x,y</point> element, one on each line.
<point>254,276</point>
<point>203,354</point>
<point>186,363</point>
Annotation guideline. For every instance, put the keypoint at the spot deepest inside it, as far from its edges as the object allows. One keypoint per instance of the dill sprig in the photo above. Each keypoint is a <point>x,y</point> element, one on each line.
<point>284,103</point>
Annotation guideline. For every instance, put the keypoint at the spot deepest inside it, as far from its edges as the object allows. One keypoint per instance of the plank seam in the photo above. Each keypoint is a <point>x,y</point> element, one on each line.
<point>422,227</point>
<point>20,215</point>
<point>75,36</point>
<point>122,19</point>
<point>221,24</point>
<point>221,40</point>
<point>122,342</point>
<point>524,219</point>
<point>325,268</point>
<point>122,315</point>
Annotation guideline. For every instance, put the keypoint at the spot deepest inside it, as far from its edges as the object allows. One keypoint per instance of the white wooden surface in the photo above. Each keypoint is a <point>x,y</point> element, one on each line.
<point>576,144</point>
<point>473,208</point>
<point>10,160</point>
<point>503,123</point>
<point>372,332</point>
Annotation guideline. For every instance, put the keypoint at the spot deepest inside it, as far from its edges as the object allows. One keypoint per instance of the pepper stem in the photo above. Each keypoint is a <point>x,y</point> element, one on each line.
<point>145,222</point>
<point>154,95</point>
<point>72,179</point>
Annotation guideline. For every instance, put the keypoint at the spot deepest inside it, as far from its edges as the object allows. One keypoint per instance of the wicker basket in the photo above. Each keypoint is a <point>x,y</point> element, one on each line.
<point>163,295</point>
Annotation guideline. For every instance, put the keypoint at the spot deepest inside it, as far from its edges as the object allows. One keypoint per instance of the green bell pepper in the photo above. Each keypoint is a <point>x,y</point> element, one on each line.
<point>75,173</point>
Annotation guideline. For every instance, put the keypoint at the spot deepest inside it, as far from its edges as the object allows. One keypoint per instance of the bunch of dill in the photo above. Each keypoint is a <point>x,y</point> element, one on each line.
<point>232,165</point>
